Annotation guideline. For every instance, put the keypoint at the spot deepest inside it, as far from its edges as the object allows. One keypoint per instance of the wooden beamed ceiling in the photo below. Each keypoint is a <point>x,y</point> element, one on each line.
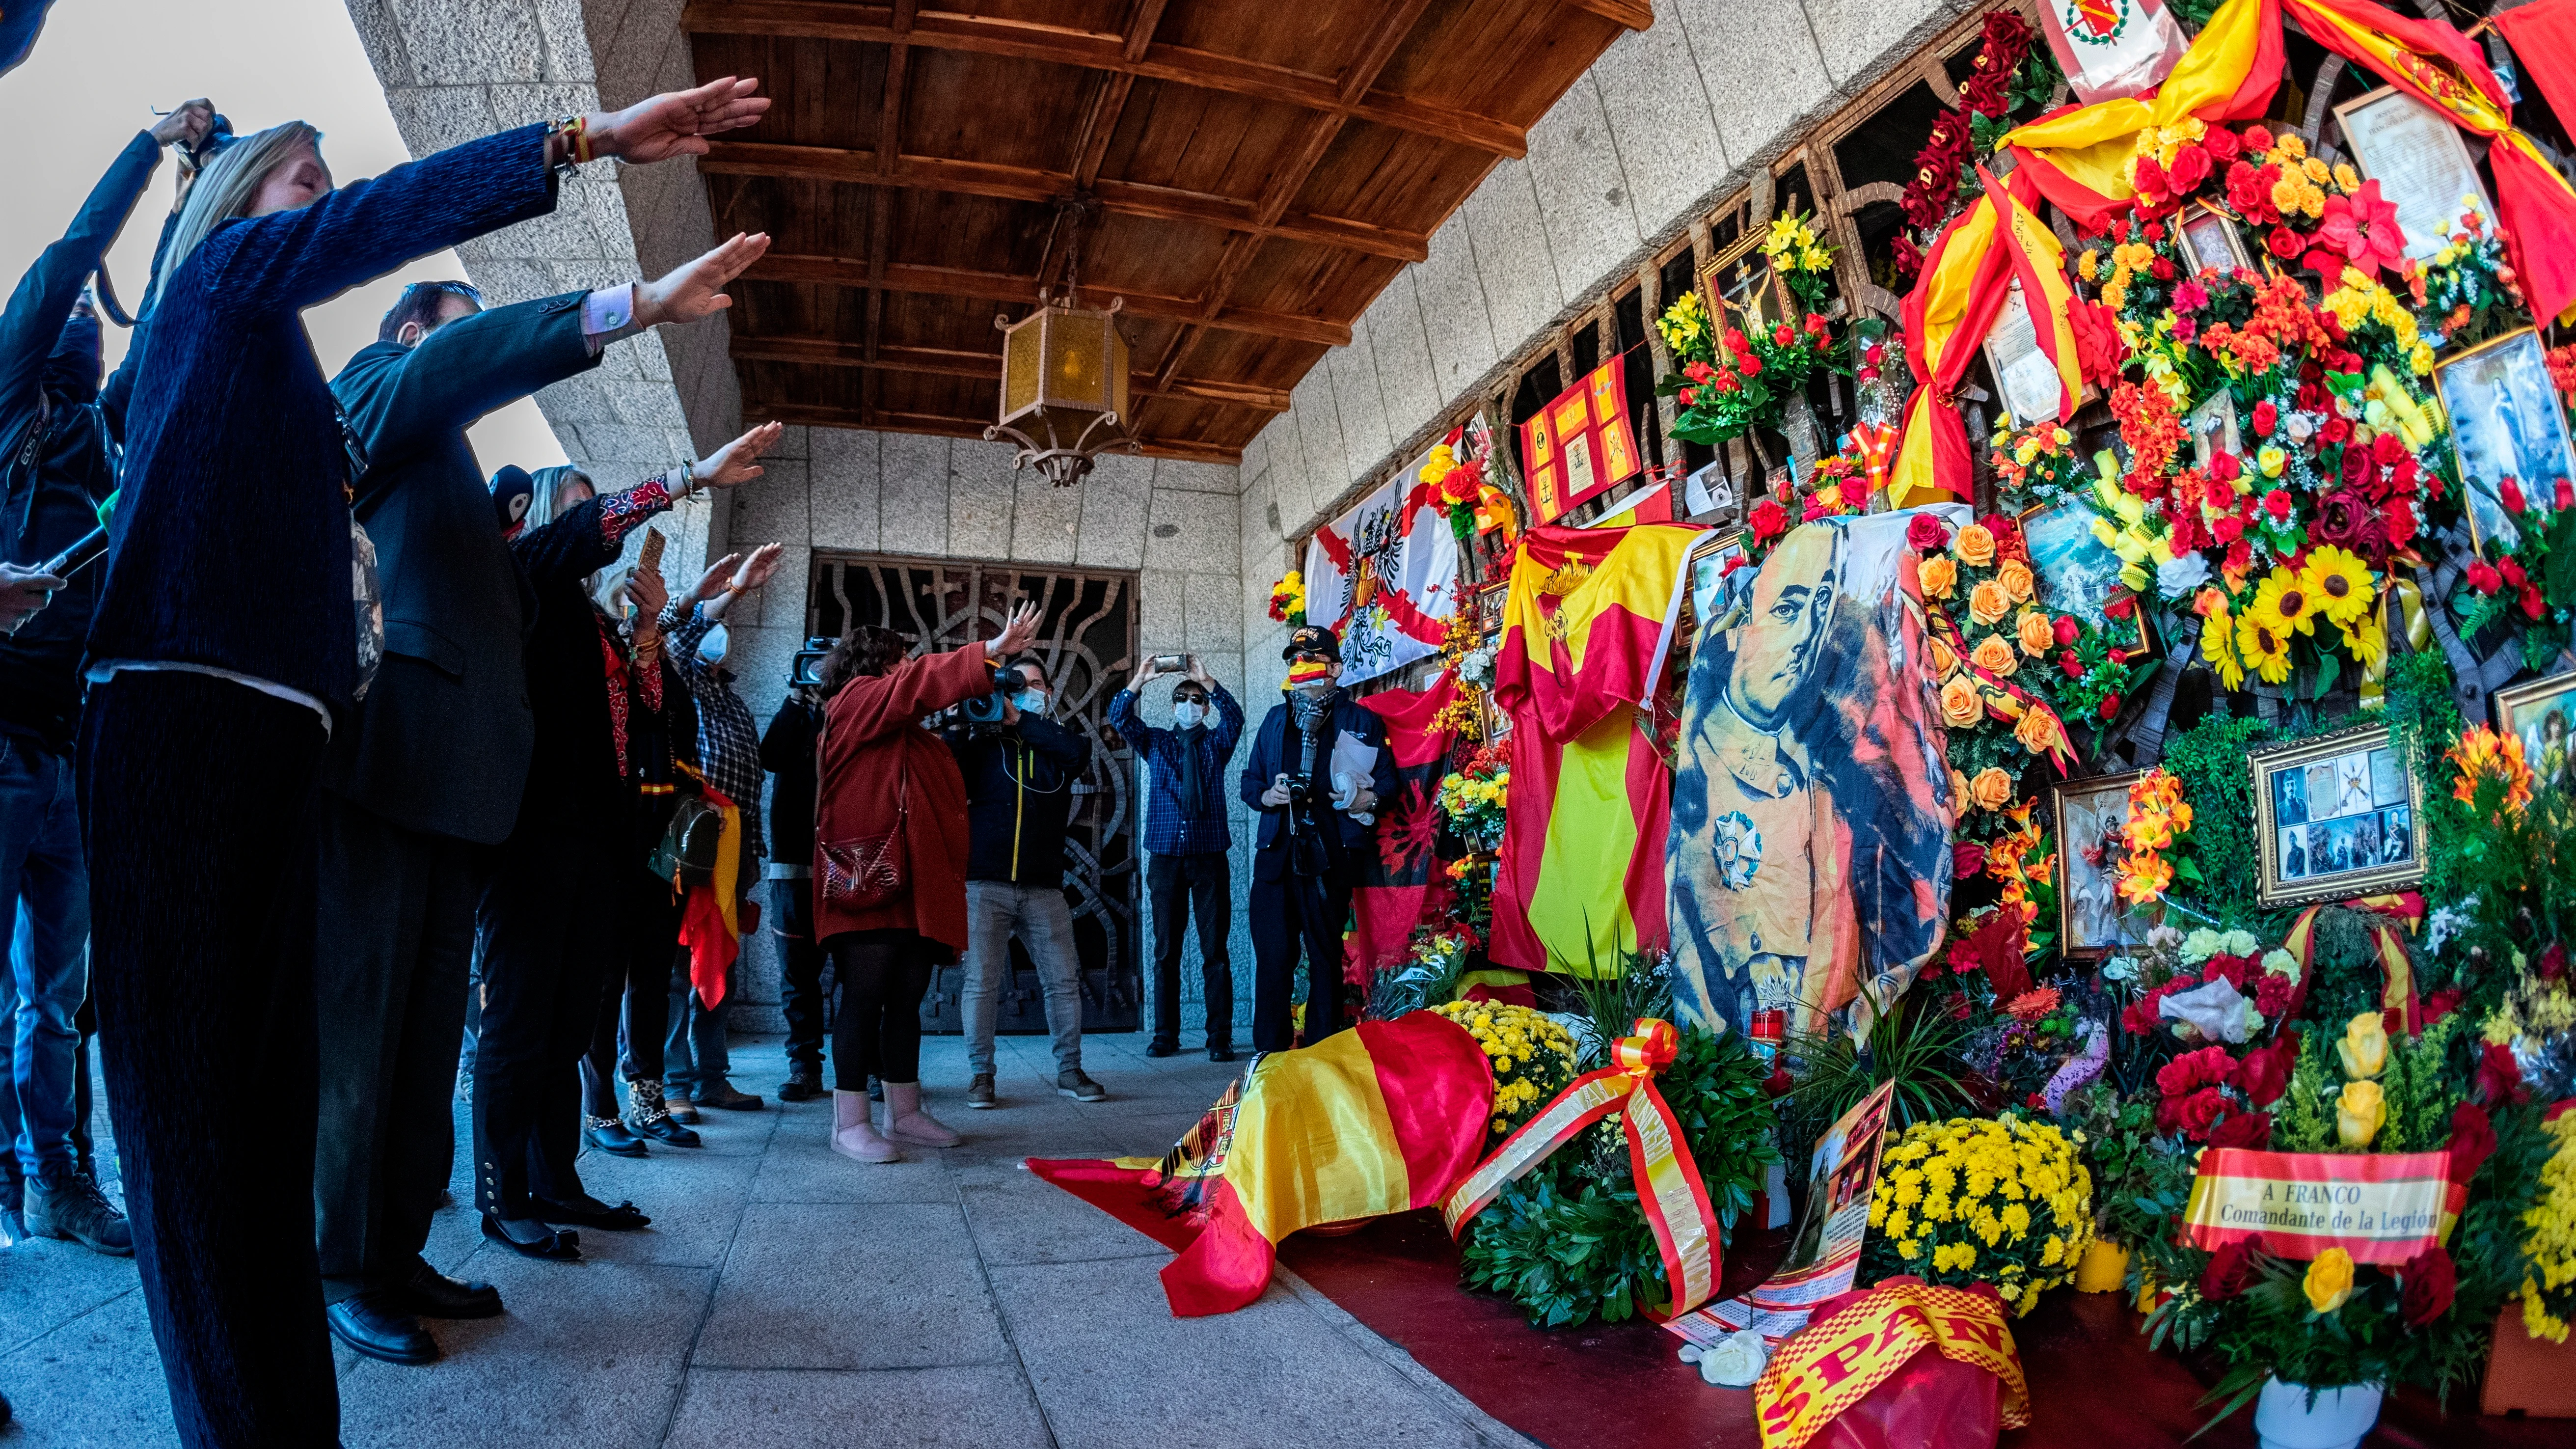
<point>1254,173</point>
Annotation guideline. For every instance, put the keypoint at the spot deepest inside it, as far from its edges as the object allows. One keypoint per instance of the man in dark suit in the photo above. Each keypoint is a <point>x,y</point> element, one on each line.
<point>426,775</point>
<point>1315,822</point>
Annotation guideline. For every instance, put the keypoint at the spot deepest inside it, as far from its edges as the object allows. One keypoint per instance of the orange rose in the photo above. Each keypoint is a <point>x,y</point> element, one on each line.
<point>1975,546</point>
<point>2014,575</point>
<point>1961,705</point>
<point>1995,656</point>
<point>1988,603</point>
<point>1943,658</point>
<point>1958,786</point>
<point>1938,575</point>
<point>1991,790</point>
<point>2037,730</point>
<point>2037,634</point>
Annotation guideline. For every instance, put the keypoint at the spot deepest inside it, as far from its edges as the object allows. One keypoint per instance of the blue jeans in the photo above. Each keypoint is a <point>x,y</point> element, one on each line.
<point>44,891</point>
<point>693,1052</point>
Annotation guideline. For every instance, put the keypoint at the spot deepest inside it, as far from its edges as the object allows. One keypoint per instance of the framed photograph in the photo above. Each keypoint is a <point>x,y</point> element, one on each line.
<point>2091,920</point>
<point>2419,161</point>
<point>2543,713</point>
<point>2334,816</point>
<point>1708,562</point>
<point>2210,240</point>
<point>2214,429</point>
<point>2506,421</point>
<point>2079,572</point>
<point>2024,375</point>
<point>1709,490</point>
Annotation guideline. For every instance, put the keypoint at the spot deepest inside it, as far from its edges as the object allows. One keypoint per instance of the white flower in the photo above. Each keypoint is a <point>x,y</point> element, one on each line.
<point>2200,945</point>
<point>2178,576</point>
<point>2300,427</point>
<point>2281,963</point>
<point>2446,922</point>
<point>2240,943</point>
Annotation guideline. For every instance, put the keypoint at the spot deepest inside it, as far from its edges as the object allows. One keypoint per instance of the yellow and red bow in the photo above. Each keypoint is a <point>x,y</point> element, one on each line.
<point>1668,1181</point>
<point>2392,918</point>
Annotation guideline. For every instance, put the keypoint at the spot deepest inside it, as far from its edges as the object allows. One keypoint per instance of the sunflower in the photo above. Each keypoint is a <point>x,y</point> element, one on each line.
<point>2218,646</point>
<point>2266,649</point>
<point>2340,584</point>
<point>2366,641</point>
<point>2284,604</point>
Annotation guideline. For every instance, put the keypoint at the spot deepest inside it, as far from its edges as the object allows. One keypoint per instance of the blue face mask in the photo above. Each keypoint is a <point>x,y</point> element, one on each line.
<point>1030,701</point>
<point>1187,715</point>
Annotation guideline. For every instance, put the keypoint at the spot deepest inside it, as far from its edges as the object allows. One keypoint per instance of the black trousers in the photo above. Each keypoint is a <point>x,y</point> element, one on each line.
<point>878,1032</point>
<point>639,979</point>
<point>548,950</point>
<point>201,832</point>
<point>1178,887</point>
<point>395,943</point>
<point>800,994</point>
<point>1289,914</point>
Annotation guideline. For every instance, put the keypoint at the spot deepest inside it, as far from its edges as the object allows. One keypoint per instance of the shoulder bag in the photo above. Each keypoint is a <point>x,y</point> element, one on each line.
<point>867,871</point>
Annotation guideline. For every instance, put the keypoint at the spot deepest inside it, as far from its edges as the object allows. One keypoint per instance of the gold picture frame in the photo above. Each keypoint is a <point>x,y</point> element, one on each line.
<point>2335,817</point>
<point>2202,223</point>
<point>2512,369</point>
<point>2070,591</point>
<point>2091,922</point>
<point>2416,155</point>
<point>2527,710</point>
<point>1756,297</point>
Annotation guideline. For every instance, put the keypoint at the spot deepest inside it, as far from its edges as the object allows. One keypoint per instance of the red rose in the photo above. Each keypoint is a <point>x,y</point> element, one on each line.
<point>1784,334</point>
<point>2429,1279</point>
<point>1769,520</point>
<point>2230,1272</point>
<point>2240,557</point>
<point>2356,465</point>
<point>2249,190</point>
<point>2565,495</point>
<point>2199,1112</point>
<point>2553,962</point>
<point>2249,1130</point>
<point>1750,366</point>
<point>1924,532</point>
<point>2150,179</point>
<point>2265,1073</point>
<point>2277,503</point>
<point>2482,578</point>
<point>2532,606</point>
<point>2266,418</point>
<point>2073,666</point>
<point>2109,709</point>
<point>2119,656</point>
<point>2284,243</point>
<point>2512,569</point>
<point>2190,168</point>
<point>2510,490</point>
<point>2473,1141</point>
<point>2162,269</point>
<point>2334,430</point>
<point>2499,1076</point>
<point>2191,1071</point>
<point>2221,144</point>
<point>2066,630</point>
<point>2228,529</point>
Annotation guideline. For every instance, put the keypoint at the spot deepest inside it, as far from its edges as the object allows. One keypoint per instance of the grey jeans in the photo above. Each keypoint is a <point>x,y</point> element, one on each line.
<point>996,910</point>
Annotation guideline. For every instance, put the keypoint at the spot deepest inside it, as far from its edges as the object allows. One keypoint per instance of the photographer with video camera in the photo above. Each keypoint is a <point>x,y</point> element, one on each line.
<point>890,865</point>
<point>1020,770</point>
<point>1318,767</point>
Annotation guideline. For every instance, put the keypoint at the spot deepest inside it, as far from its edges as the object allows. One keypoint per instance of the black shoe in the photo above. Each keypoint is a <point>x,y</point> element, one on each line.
<point>803,1084</point>
<point>609,1135</point>
<point>590,1212</point>
<point>68,1205</point>
<point>372,1325</point>
<point>530,1238</point>
<point>1220,1052</point>
<point>663,1127</point>
<point>432,1294</point>
<point>1159,1048</point>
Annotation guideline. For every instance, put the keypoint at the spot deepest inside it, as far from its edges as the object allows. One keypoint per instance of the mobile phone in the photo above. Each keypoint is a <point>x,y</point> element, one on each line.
<point>1167,663</point>
<point>72,560</point>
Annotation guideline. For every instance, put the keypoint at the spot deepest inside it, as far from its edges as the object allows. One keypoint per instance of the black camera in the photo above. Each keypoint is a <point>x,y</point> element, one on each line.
<point>807,671</point>
<point>1301,789</point>
<point>984,713</point>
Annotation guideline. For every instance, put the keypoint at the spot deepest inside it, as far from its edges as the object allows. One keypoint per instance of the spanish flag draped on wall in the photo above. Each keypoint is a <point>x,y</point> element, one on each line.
<point>1585,625</point>
<point>1966,281</point>
<point>1382,1118</point>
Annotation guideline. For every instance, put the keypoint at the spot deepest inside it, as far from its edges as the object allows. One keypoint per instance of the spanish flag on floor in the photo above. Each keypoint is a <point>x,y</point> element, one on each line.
<point>1585,625</point>
<point>1383,1118</point>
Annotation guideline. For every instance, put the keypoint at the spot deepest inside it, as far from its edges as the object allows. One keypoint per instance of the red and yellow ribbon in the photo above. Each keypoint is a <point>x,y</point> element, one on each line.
<point>2003,699</point>
<point>2394,916</point>
<point>1836,1362</point>
<point>1668,1182</point>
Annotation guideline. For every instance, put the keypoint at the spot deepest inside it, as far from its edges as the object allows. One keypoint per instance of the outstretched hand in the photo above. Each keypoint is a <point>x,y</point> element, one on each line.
<point>1018,633</point>
<point>736,463</point>
<point>677,123</point>
<point>695,290</point>
<point>712,582</point>
<point>757,569</point>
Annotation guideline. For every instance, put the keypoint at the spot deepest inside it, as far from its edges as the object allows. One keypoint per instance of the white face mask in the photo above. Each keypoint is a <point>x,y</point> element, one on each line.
<point>1188,716</point>
<point>1030,701</point>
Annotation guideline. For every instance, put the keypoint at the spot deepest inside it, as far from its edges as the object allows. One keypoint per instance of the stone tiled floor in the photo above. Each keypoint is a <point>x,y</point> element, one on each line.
<point>785,1297</point>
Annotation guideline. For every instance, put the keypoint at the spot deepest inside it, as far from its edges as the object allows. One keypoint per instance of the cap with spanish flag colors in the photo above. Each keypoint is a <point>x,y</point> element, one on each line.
<point>1313,639</point>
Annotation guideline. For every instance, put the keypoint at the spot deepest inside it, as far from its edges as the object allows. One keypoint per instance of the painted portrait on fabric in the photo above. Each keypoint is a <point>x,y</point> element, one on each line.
<point>1810,852</point>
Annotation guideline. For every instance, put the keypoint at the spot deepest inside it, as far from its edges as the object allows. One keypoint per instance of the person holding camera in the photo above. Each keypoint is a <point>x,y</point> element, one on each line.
<point>57,455</point>
<point>1020,772</point>
<point>1186,839</point>
<point>787,753</point>
<point>696,1065</point>
<point>891,851</point>
<point>1319,765</point>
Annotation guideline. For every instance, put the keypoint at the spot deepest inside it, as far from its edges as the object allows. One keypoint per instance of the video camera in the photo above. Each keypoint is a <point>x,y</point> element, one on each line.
<point>807,671</point>
<point>982,715</point>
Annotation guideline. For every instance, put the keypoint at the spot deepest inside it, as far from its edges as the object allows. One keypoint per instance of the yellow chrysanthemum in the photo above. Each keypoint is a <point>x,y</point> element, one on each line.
<point>2337,583</point>
<point>2283,604</point>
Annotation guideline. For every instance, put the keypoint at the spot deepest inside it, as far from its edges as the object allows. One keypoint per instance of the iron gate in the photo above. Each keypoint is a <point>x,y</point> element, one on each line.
<point>1087,636</point>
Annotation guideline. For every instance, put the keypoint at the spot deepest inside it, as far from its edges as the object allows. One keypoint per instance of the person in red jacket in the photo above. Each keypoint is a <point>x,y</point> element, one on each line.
<point>884,777</point>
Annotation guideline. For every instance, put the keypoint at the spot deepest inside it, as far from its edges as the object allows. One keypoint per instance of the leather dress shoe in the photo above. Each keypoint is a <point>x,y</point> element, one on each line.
<point>803,1084</point>
<point>374,1325</point>
<point>530,1238</point>
<point>724,1096</point>
<point>1159,1048</point>
<point>1220,1052</point>
<point>611,1136</point>
<point>432,1294</point>
<point>664,1128</point>
<point>590,1212</point>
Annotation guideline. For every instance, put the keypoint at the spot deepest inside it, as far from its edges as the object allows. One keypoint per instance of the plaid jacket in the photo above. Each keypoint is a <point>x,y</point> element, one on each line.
<point>728,740</point>
<point>1168,831</point>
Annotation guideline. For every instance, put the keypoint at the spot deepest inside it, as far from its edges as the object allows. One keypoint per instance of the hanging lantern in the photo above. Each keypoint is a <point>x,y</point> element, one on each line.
<point>1064,380</point>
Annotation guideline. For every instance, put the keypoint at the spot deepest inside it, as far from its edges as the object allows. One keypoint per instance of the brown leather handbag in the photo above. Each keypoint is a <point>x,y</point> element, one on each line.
<point>870,870</point>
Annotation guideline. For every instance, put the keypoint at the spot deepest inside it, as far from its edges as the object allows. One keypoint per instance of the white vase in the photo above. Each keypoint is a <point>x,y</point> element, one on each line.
<point>2285,1419</point>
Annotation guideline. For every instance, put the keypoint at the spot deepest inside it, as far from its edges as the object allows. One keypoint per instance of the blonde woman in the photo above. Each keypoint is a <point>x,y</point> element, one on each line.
<point>234,626</point>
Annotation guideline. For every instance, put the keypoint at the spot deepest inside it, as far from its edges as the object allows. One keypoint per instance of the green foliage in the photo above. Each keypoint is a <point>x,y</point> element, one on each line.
<point>1569,1244</point>
<point>1914,1044</point>
<point>2209,758</point>
<point>2303,1121</point>
<point>2140,1180</point>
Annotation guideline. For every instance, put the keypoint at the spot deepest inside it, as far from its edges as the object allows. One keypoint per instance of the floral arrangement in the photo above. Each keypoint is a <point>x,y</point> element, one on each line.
<point>1737,381</point>
<point>2158,817</point>
<point>1531,1056</point>
<point>1982,598</point>
<point>2467,292</point>
<point>1473,797</point>
<point>2039,461</point>
<point>1288,599</point>
<point>1803,263</point>
<point>2533,573</point>
<point>2549,1289</point>
<point>2006,1202</point>
<point>2011,73</point>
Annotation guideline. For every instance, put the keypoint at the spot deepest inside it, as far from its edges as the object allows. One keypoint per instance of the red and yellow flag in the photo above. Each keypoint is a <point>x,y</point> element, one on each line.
<point>1838,1360</point>
<point>1586,621</point>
